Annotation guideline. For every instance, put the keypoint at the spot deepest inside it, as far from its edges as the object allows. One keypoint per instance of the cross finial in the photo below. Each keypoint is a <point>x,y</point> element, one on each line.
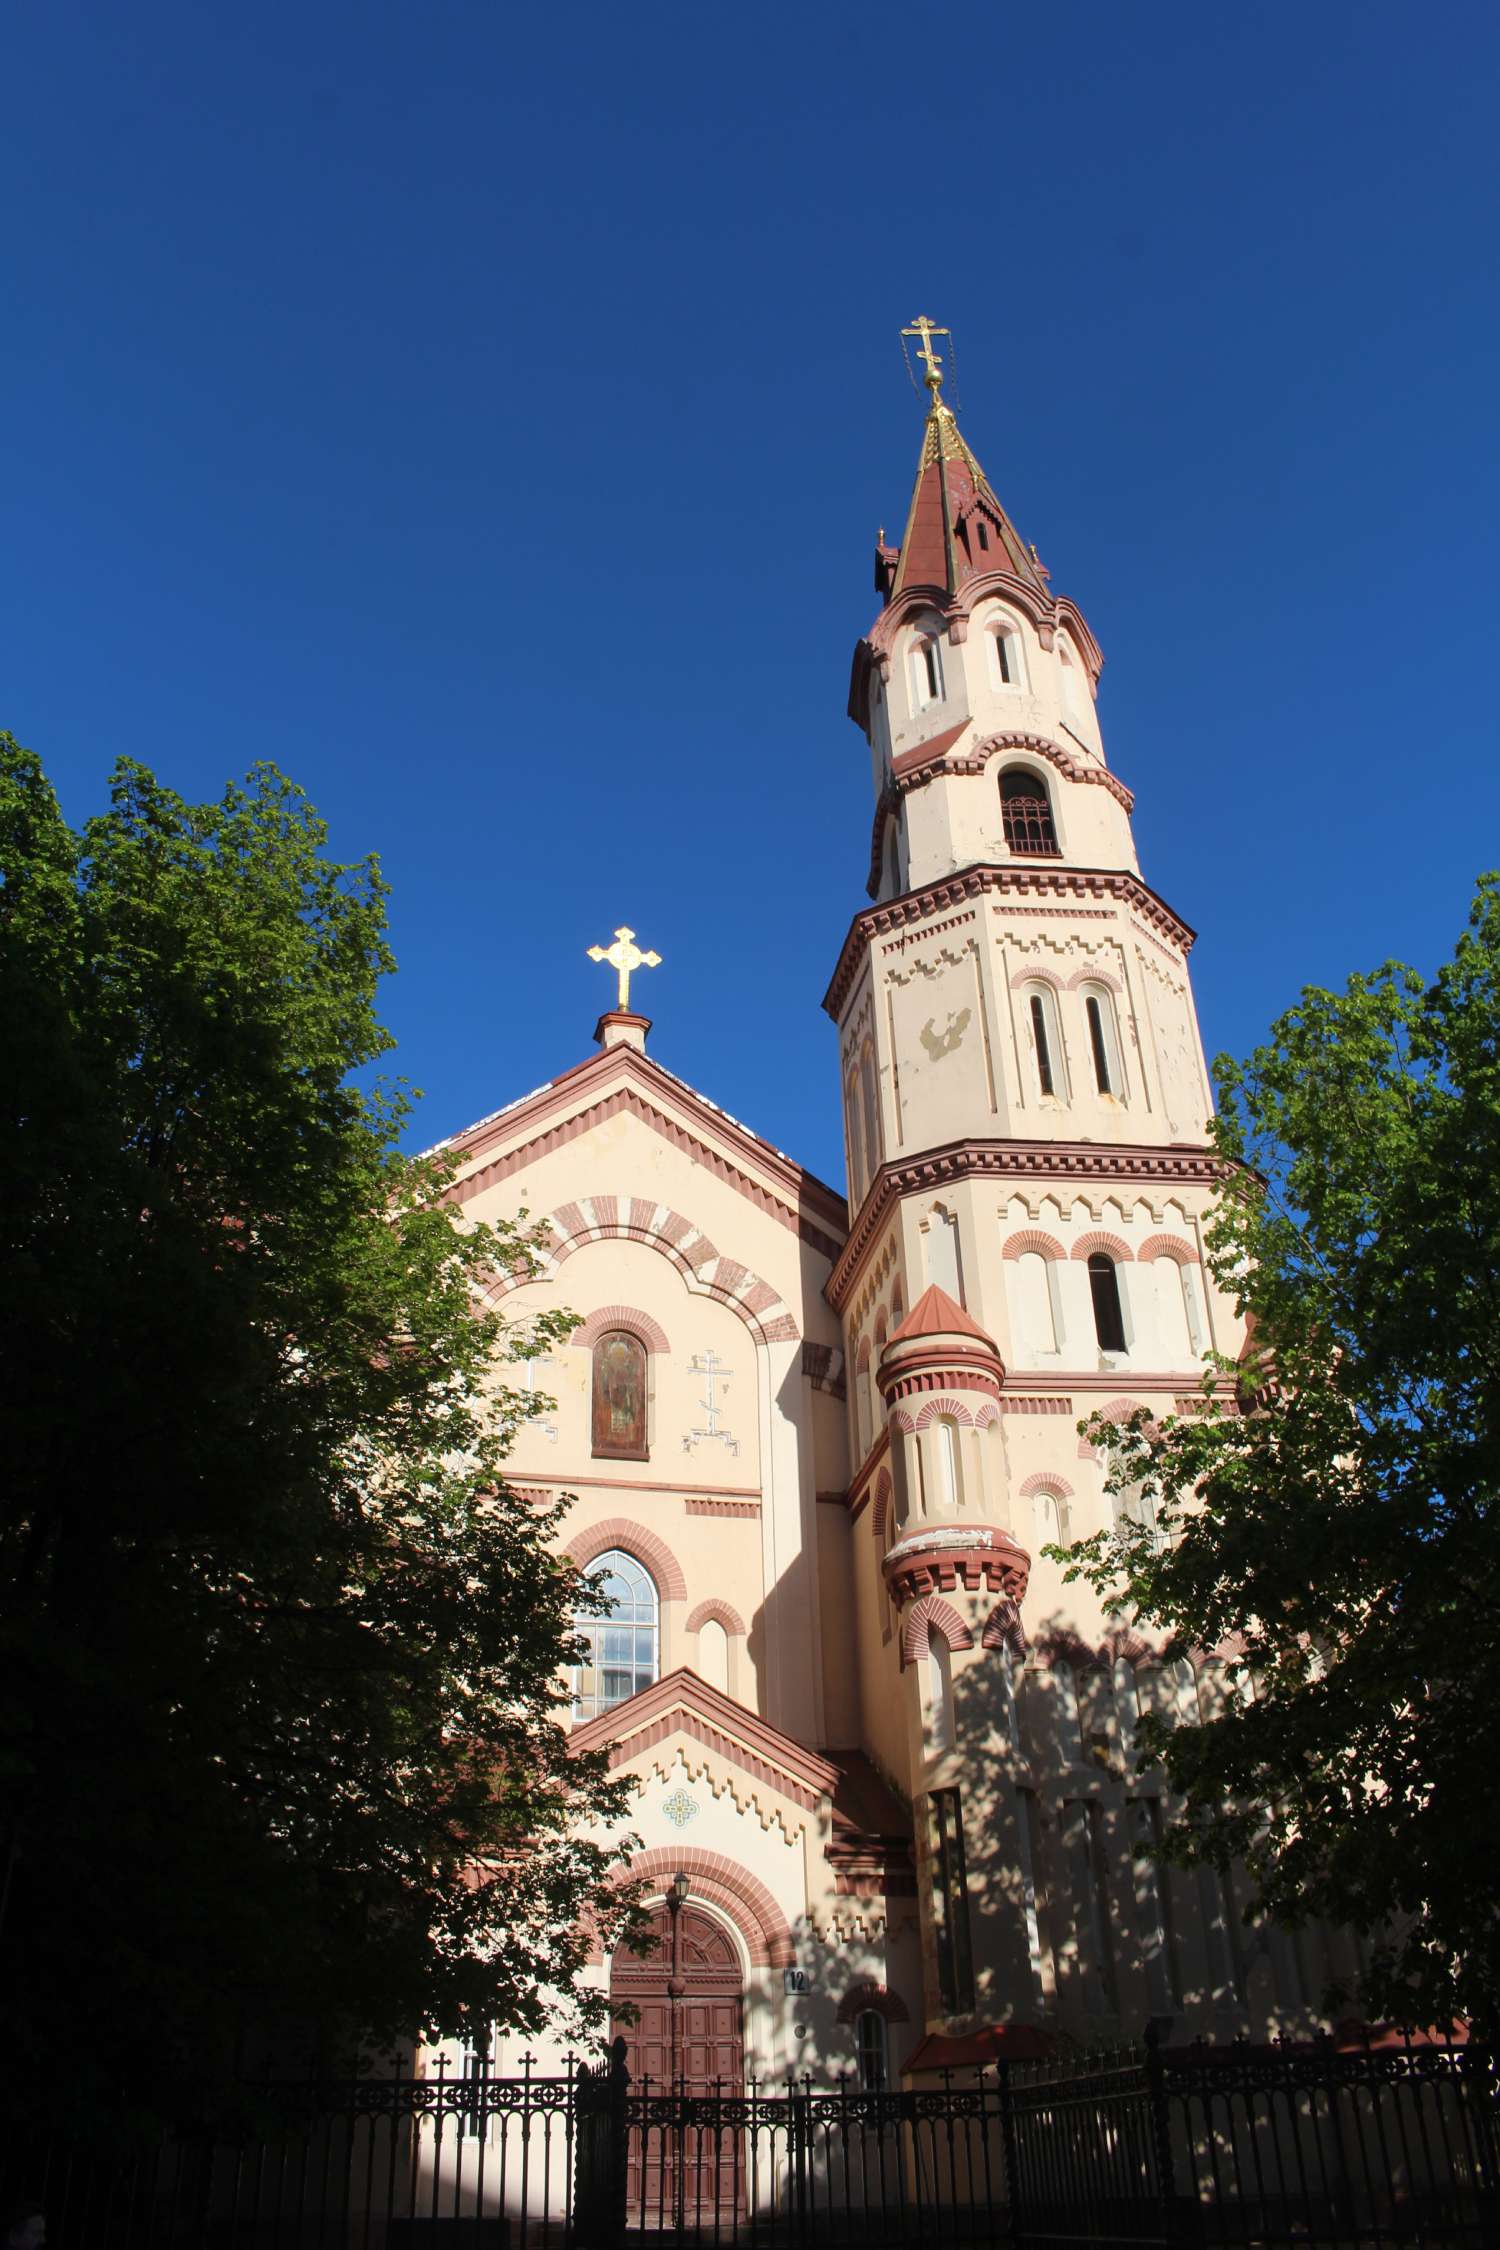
<point>624,957</point>
<point>926,329</point>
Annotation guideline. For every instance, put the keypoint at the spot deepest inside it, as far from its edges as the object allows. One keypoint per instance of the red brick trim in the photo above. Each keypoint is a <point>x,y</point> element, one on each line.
<point>642,1220</point>
<point>1048,879</point>
<point>1118,1410</point>
<point>681,1703</point>
<point>650,1331</point>
<point>926,1617</point>
<point>1027,1240</point>
<point>1115,1165</point>
<point>595,1539</point>
<point>953,1408</point>
<point>1110,1244</point>
<point>703,1506</point>
<point>1169,1246</point>
<point>881,1510</point>
<point>938,1559</point>
<point>1017,1402</point>
<point>1003,1628</point>
<point>719,1612</point>
<point>865,1994</point>
<point>750,1906</point>
<point>1021,977</point>
<point>1044,1480</point>
<point>1096,976</point>
<point>804,1197</point>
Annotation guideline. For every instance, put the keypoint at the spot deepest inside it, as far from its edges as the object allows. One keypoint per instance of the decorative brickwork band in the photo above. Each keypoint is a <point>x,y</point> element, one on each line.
<point>716,1612</point>
<point>608,1218</point>
<point>1169,1246</point>
<point>977,1557</point>
<point>1003,1629</point>
<point>632,1539</point>
<point>1118,1410</point>
<point>865,1996</point>
<point>1111,1244</point>
<point>945,1410</point>
<point>650,1331</point>
<point>928,1616</point>
<point>749,1905</point>
<point>880,1511</point>
<point>1044,1480</point>
<point>1031,1242</point>
<point>702,1505</point>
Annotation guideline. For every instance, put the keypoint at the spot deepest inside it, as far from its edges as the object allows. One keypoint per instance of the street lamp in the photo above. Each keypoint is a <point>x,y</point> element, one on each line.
<point>677,1891</point>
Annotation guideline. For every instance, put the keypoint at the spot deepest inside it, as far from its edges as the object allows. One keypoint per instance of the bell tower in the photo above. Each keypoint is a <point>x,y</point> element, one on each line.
<point>1026,1107</point>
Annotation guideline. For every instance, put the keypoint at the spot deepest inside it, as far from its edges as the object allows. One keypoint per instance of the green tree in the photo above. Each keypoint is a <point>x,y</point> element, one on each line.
<point>1339,1536</point>
<point>280,1736</point>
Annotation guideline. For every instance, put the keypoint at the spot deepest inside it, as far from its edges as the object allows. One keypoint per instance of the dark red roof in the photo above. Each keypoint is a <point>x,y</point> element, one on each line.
<point>955,527</point>
<point>936,1314</point>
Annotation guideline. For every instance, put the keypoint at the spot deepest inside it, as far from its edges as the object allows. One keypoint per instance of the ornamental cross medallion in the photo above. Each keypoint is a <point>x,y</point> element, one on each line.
<point>625,957</point>
<point>709,1365</point>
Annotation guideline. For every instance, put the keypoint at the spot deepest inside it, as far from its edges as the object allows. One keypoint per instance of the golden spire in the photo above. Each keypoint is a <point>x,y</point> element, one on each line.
<point>926,329</point>
<point>625,957</point>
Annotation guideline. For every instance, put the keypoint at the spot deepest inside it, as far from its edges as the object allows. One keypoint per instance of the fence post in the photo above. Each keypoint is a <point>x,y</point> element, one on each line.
<point>1009,2148</point>
<point>618,2131</point>
<point>1172,2216</point>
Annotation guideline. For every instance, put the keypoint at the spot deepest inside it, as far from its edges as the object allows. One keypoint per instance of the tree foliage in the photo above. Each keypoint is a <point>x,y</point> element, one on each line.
<point>1340,1535</point>
<point>280,1737</point>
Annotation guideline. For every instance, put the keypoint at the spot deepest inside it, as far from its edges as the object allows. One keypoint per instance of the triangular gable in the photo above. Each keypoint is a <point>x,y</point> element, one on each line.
<point>681,1703</point>
<point>621,1079</point>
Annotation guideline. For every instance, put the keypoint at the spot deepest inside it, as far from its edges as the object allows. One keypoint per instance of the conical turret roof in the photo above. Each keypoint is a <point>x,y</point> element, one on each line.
<point>935,1313</point>
<point>955,527</point>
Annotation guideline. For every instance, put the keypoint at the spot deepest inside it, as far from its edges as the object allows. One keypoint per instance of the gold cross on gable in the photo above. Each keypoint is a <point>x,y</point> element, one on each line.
<point>926,329</point>
<point>625,957</point>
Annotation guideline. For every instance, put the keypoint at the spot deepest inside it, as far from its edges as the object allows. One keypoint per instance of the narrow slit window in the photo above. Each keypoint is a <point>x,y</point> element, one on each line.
<point>950,1904</point>
<point>1043,1044</point>
<point>1099,1043</point>
<point>1109,1315</point>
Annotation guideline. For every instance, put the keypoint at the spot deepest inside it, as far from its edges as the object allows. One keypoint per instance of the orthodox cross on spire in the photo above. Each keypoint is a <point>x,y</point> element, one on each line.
<point>926,329</point>
<point>625,957</point>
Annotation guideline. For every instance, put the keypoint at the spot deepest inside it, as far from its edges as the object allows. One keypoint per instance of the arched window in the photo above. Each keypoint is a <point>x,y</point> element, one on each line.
<point>945,1446</point>
<point>623,1651</point>
<point>1034,1330</point>
<point>1109,1314</point>
<point>1006,663</point>
<point>1026,811</point>
<point>939,1695</point>
<point>1050,1514</point>
<point>1104,1040</point>
<point>1046,1042</point>
<point>713,1654</point>
<point>869,2041</point>
<point>870,1109</point>
<point>926,673</point>
<point>619,1418</point>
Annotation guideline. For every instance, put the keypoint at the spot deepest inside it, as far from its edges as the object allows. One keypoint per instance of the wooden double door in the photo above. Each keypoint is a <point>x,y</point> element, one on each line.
<point>695,2042</point>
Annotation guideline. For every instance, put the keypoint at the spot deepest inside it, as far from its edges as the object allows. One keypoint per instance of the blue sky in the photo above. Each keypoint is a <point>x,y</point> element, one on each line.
<point>486,413</point>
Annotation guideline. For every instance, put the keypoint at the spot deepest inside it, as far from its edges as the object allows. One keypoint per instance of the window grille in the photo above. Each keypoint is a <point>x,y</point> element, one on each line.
<point>1026,812</point>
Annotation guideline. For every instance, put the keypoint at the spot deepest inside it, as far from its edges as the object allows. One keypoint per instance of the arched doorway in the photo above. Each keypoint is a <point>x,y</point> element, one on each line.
<point>706,2042</point>
<point>688,2028</point>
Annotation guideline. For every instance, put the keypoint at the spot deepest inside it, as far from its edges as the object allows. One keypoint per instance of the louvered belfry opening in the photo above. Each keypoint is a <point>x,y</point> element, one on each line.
<point>1027,813</point>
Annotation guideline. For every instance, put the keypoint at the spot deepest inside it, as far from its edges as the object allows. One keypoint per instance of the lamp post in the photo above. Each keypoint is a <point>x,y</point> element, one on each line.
<point>677,1891</point>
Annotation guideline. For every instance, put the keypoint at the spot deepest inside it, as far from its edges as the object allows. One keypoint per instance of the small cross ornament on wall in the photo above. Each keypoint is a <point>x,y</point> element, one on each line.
<point>709,1365</point>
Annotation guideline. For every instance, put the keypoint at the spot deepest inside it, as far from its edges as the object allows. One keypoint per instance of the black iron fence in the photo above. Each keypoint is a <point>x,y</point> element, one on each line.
<point>1202,2145</point>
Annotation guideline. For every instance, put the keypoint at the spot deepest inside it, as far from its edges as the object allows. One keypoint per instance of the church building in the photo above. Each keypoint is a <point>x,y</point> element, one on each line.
<point>816,1441</point>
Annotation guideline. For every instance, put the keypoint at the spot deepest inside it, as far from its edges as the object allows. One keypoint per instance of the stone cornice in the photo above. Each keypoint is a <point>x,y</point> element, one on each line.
<point>1112,1161</point>
<point>1028,878</point>
<point>937,1558</point>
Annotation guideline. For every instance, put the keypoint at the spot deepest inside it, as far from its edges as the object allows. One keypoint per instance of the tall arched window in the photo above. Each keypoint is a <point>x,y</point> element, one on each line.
<point>1046,1042</point>
<point>1026,811</point>
<point>926,673</point>
<point>1050,1514</point>
<point>945,1447</point>
<point>1104,1040</point>
<point>939,1695</point>
<point>623,1648</point>
<point>619,1416</point>
<point>1006,663</point>
<point>1109,1314</point>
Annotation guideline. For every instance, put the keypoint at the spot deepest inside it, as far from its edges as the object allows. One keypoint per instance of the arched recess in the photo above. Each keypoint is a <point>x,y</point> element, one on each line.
<point>948,1409</point>
<point>618,1218</point>
<point>880,1509</point>
<point>720,1612</point>
<point>647,1546</point>
<point>1169,1246</point>
<point>1118,1410</point>
<point>650,1331</point>
<point>1003,1628</point>
<point>1031,972</point>
<point>866,1993</point>
<point>928,1616</point>
<point>763,1928</point>
<point>1112,1245</point>
<point>1031,1242</point>
<point>1096,976</point>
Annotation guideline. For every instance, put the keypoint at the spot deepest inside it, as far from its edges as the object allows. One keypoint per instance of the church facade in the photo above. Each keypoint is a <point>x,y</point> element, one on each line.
<point>816,1442</point>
